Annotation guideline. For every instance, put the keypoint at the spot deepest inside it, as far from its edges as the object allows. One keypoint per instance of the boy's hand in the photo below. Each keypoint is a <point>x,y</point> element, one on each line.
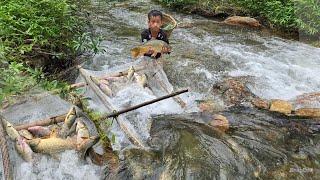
<point>150,51</point>
<point>165,50</point>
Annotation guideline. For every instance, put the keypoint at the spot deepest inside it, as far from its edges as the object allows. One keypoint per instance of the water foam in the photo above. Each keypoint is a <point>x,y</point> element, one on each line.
<point>68,167</point>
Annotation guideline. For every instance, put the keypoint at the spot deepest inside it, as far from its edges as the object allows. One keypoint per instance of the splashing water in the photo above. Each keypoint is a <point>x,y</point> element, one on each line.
<point>67,167</point>
<point>202,55</point>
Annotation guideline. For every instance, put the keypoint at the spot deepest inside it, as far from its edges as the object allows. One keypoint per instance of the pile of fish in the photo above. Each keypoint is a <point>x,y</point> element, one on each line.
<point>73,134</point>
<point>141,78</point>
<point>105,85</point>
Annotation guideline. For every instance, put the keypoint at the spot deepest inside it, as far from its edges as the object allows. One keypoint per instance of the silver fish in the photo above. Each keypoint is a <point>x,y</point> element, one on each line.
<point>82,133</point>
<point>26,134</point>
<point>11,131</point>
<point>106,90</point>
<point>141,79</point>
<point>24,149</point>
<point>68,122</point>
<point>130,73</point>
<point>39,131</point>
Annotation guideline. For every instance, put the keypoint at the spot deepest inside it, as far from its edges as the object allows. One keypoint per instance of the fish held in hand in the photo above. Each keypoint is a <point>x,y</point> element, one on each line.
<point>157,46</point>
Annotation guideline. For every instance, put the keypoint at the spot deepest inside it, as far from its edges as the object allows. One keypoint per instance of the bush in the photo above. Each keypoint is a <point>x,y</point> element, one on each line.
<point>303,15</point>
<point>308,15</point>
<point>40,29</point>
<point>32,30</point>
<point>15,79</point>
<point>292,15</point>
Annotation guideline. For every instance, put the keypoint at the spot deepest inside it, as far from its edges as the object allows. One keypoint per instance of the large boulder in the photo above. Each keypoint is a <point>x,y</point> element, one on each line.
<point>281,106</point>
<point>242,21</point>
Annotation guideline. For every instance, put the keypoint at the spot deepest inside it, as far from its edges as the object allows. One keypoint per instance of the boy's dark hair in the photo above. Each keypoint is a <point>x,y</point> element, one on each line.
<point>154,13</point>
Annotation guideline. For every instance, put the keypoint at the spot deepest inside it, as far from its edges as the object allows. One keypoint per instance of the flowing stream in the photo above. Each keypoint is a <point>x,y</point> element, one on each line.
<point>180,143</point>
<point>182,146</point>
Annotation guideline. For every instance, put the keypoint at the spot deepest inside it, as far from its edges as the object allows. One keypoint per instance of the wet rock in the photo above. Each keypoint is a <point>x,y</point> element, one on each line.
<point>233,91</point>
<point>220,122</point>
<point>307,100</point>
<point>308,112</point>
<point>260,103</point>
<point>242,21</point>
<point>185,25</point>
<point>207,106</point>
<point>281,106</point>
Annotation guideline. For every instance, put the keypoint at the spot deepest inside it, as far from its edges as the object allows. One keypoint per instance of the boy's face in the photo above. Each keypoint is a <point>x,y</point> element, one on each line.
<point>155,23</point>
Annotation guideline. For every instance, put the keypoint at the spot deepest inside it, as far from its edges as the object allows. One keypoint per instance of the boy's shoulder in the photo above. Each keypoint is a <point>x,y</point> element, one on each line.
<point>145,31</point>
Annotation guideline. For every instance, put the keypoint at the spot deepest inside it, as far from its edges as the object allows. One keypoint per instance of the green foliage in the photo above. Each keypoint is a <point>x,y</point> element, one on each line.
<point>308,15</point>
<point>292,15</point>
<point>32,30</point>
<point>301,15</point>
<point>96,117</point>
<point>179,3</point>
<point>43,28</point>
<point>15,79</point>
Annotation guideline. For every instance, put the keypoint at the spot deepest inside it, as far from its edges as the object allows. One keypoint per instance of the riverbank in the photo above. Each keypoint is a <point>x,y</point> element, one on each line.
<point>297,19</point>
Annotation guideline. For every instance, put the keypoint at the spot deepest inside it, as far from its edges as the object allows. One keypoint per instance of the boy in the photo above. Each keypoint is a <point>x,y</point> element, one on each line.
<point>154,31</point>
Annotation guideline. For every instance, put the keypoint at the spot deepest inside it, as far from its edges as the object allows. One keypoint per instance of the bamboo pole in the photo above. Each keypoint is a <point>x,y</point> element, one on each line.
<point>95,89</point>
<point>131,134</point>
<point>115,114</point>
<point>108,75</point>
<point>163,86</point>
<point>43,122</point>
